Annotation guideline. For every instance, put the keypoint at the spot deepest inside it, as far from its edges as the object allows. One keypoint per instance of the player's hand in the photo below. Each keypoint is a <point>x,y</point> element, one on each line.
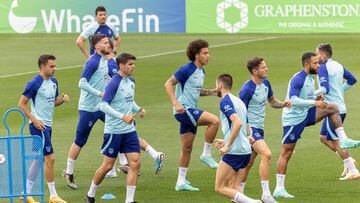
<point>129,118</point>
<point>142,112</point>
<point>251,139</point>
<point>321,104</point>
<point>223,150</point>
<point>219,143</point>
<point>179,109</point>
<point>287,104</point>
<point>320,97</point>
<point>65,97</point>
<point>38,124</point>
<point>101,94</point>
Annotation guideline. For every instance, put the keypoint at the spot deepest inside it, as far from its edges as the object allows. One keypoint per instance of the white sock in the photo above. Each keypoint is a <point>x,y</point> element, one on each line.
<point>122,159</point>
<point>152,152</point>
<point>29,186</point>
<point>341,133</point>
<point>182,176</point>
<point>207,149</point>
<point>70,166</point>
<point>240,197</point>
<point>92,190</point>
<point>265,187</point>
<point>130,193</point>
<point>242,186</point>
<point>280,180</point>
<point>52,189</point>
<point>350,165</point>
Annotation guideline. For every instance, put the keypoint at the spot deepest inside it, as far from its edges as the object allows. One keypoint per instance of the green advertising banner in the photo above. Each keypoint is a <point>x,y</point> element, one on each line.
<point>272,16</point>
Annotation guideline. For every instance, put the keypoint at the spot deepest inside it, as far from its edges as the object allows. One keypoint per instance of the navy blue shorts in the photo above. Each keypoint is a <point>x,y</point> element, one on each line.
<point>123,143</point>
<point>236,162</point>
<point>86,121</point>
<point>293,133</point>
<point>257,134</point>
<point>46,139</point>
<point>188,120</point>
<point>328,130</point>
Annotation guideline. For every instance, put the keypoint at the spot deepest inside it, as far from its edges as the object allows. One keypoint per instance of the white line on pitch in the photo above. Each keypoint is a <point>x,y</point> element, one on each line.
<point>154,55</point>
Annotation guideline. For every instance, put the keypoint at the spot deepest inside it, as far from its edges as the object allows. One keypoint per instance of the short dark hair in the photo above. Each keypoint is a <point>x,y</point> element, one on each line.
<point>254,63</point>
<point>99,9</point>
<point>326,48</point>
<point>307,57</point>
<point>96,38</point>
<point>195,47</point>
<point>43,59</point>
<point>226,80</point>
<point>124,58</point>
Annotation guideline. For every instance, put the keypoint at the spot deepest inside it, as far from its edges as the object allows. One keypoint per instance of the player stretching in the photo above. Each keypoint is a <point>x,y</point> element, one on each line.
<point>189,81</point>
<point>330,79</point>
<point>305,111</point>
<point>254,94</point>
<point>236,149</point>
<point>42,91</point>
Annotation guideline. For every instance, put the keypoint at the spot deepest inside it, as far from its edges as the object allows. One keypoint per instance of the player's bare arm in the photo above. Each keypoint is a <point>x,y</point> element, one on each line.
<point>276,103</point>
<point>169,84</point>
<point>209,92</point>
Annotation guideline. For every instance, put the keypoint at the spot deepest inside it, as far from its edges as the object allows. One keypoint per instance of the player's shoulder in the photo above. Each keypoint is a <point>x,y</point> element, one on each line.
<point>132,79</point>
<point>249,85</point>
<point>94,60</point>
<point>266,82</point>
<point>93,26</point>
<point>110,26</point>
<point>54,80</point>
<point>37,80</point>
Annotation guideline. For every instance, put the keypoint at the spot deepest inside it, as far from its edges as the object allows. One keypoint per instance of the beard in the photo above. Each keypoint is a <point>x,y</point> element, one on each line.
<point>312,71</point>
<point>104,52</point>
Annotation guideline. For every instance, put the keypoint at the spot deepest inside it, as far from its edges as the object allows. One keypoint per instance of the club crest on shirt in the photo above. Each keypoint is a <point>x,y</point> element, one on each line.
<point>111,150</point>
<point>54,86</point>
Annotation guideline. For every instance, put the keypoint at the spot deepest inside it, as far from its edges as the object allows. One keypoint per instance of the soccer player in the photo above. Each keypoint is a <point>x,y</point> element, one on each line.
<point>42,91</point>
<point>330,79</point>
<point>254,94</point>
<point>120,133</point>
<point>98,27</point>
<point>236,150</point>
<point>158,157</point>
<point>92,86</point>
<point>306,110</point>
<point>189,81</point>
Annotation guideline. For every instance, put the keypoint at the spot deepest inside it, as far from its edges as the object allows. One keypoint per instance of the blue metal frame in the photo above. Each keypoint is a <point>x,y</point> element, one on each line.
<point>24,158</point>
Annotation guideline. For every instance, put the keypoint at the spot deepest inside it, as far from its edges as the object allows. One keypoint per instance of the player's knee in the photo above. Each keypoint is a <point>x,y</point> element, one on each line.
<point>187,148</point>
<point>323,139</point>
<point>49,160</point>
<point>266,156</point>
<point>108,167</point>
<point>333,108</point>
<point>218,188</point>
<point>80,142</point>
<point>215,122</point>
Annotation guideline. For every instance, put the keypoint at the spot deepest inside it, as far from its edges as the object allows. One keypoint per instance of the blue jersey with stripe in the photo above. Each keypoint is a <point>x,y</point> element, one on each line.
<point>230,105</point>
<point>254,97</point>
<point>112,68</point>
<point>119,94</point>
<point>191,81</point>
<point>42,95</point>
<point>331,75</point>
<point>301,85</point>
<point>95,73</point>
<point>95,28</point>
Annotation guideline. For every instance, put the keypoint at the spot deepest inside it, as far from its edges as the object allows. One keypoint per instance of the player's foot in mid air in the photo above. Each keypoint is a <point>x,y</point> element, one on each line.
<point>123,168</point>
<point>111,174</point>
<point>346,170</point>
<point>159,162</point>
<point>282,193</point>
<point>70,180</point>
<point>349,143</point>
<point>56,199</point>
<point>351,176</point>
<point>186,187</point>
<point>89,199</point>
<point>210,161</point>
<point>268,199</point>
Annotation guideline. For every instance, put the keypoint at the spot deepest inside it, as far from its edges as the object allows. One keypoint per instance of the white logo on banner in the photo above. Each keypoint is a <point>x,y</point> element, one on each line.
<point>220,18</point>
<point>20,24</point>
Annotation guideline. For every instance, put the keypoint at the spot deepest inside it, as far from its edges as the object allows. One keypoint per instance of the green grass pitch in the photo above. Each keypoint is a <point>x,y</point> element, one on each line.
<point>313,171</point>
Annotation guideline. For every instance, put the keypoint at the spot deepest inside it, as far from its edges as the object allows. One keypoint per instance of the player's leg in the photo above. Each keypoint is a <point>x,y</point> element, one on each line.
<point>157,156</point>
<point>264,152</point>
<point>99,176</point>
<point>123,164</point>
<point>224,173</point>
<point>212,123</point>
<point>86,121</point>
<point>247,171</point>
<point>332,112</point>
<point>131,179</point>
<point>187,140</point>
